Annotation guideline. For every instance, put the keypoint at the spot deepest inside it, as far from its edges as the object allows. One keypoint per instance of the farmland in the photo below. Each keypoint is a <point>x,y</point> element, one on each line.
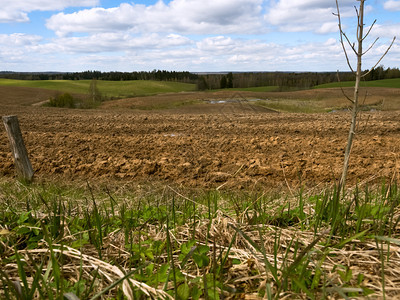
<point>228,170</point>
<point>207,138</point>
<point>112,89</point>
<point>387,83</point>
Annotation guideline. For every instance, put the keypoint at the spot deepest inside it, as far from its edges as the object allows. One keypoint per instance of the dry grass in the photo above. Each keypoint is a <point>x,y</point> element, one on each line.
<point>243,257</point>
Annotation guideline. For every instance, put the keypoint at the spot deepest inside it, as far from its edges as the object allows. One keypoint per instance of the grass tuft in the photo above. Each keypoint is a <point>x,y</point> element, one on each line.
<point>90,242</point>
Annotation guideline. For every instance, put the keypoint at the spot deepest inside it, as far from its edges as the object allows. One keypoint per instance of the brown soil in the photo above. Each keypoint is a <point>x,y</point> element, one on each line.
<point>232,144</point>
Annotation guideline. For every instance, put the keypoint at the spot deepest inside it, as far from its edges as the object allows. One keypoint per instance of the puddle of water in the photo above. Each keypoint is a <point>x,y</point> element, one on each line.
<point>234,100</point>
<point>214,101</point>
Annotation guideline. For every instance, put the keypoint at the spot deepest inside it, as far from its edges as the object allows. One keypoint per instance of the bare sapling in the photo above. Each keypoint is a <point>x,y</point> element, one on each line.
<point>357,49</point>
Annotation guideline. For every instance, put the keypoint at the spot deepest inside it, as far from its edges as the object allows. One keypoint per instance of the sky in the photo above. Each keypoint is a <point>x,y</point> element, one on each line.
<point>190,35</point>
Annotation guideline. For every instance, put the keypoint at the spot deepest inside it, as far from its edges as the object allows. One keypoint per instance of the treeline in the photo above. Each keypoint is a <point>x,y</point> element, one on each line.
<point>161,75</point>
<point>205,81</point>
<point>287,80</point>
<point>283,80</point>
<point>381,73</point>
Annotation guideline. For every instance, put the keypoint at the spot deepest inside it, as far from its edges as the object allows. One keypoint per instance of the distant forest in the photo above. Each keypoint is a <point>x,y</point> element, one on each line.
<point>205,81</point>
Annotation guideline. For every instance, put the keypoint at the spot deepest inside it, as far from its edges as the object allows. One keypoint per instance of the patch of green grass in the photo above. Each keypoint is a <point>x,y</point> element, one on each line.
<point>249,89</point>
<point>387,83</point>
<point>292,105</point>
<point>109,89</point>
<point>255,89</point>
<point>87,242</point>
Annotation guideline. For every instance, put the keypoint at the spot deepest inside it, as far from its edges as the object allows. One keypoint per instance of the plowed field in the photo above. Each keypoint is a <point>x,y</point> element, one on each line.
<point>233,144</point>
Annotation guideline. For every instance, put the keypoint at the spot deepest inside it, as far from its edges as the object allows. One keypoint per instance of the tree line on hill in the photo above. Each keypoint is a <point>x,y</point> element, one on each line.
<point>287,80</point>
<point>205,81</point>
<point>160,75</point>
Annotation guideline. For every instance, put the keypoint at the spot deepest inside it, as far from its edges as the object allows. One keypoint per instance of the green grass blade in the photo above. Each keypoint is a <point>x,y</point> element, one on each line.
<point>388,239</point>
<point>9,287</point>
<point>348,240</point>
<point>91,286</point>
<point>37,276</point>
<point>268,265</point>
<point>303,253</point>
<point>22,274</point>
<point>225,258</point>
<point>111,286</point>
<point>304,288</point>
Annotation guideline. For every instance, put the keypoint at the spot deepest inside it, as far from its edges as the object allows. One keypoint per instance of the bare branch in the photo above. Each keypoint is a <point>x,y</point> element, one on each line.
<point>341,37</point>
<point>365,126</point>
<point>384,54</point>
<point>341,88</point>
<point>358,22</point>
<point>352,46</point>
<point>370,28</point>
<point>371,46</point>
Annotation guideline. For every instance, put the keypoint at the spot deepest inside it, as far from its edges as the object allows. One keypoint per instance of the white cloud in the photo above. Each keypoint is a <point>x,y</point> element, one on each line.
<point>113,42</point>
<point>9,16</point>
<point>218,44</point>
<point>18,40</point>
<point>13,49</point>
<point>127,52</point>
<point>94,20</point>
<point>180,16</point>
<point>392,5</point>
<point>327,27</point>
<point>17,10</point>
<point>207,35</point>
<point>307,15</point>
<point>388,30</point>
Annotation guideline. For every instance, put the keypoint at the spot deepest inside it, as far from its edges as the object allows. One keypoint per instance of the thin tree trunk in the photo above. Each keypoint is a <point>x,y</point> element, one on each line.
<point>354,111</point>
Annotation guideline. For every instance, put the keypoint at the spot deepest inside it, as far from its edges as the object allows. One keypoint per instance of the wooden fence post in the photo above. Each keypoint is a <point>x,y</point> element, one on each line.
<point>21,160</point>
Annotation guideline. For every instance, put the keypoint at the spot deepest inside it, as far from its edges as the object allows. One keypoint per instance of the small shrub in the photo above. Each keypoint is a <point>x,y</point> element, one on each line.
<point>62,100</point>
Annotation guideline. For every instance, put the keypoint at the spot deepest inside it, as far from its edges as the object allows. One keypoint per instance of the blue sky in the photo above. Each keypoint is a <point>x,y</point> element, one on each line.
<point>189,35</point>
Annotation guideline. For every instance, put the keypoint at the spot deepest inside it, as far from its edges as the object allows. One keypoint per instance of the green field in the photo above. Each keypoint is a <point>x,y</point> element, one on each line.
<point>256,89</point>
<point>110,89</point>
<point>387,83</point>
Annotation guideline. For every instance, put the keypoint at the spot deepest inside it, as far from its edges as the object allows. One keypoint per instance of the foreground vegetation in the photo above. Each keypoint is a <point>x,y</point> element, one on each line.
<point>92,242</point>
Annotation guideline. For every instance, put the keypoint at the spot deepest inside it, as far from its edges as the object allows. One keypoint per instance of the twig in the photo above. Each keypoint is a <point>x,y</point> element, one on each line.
<point>341,88</point>
<point>386,52</point>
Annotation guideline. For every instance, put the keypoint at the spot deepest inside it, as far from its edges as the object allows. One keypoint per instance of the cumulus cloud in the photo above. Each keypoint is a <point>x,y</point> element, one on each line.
<point>218,44</point>
<point>18,40</point>
<point>392,5</point>
<point>207,35</point>
<point>307,15</point>
<point>113,42</point>
<point>256,54</point>
<point>180,16</point>
<point>387,30</point>
<point>13,49</point>
<point>17,11</point>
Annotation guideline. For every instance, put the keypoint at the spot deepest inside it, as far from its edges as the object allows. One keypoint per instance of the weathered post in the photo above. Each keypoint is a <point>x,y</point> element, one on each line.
<point>22,163</point>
